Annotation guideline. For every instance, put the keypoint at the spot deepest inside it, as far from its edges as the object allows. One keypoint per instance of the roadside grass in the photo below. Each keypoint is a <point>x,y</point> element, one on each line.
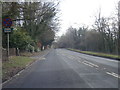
<point>14,65</point>
<point>29,54</point>
<point>97,54</point>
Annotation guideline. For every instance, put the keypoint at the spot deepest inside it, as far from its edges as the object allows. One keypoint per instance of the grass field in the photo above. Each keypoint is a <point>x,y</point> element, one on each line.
<point>97,54</point>
<point>14,65</point>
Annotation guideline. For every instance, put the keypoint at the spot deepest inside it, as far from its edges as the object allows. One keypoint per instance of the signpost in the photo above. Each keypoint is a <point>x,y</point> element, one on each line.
<point>7,23</point>
<point>7,30</point>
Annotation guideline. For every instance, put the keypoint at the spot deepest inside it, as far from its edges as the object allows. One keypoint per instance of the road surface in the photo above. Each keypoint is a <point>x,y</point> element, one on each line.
<point>62,68</point>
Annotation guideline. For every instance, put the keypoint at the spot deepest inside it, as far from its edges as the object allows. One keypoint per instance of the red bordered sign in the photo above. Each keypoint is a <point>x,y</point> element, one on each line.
<point>7,22</point>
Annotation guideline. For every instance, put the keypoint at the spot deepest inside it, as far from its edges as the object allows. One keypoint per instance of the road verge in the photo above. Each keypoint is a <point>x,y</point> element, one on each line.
<point>116,57</point>
<point>18,63</point>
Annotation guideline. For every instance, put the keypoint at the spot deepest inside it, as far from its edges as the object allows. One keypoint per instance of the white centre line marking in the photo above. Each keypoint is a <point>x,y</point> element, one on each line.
<point>87,64</point>
<point>92,64</point>
<point>113,74</point>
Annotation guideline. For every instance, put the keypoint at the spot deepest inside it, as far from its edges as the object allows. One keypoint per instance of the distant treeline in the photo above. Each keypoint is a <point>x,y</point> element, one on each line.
<point>102,37</point>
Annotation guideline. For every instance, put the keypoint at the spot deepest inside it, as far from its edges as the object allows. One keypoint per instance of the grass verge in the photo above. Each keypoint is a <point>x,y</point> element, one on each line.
<point>97,54</point>
<point>29,54</point>
<point>14,65</point>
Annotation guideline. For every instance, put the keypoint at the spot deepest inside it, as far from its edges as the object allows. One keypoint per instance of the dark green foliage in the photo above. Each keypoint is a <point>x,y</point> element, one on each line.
<point>34,21</point>
<point>20,39</point>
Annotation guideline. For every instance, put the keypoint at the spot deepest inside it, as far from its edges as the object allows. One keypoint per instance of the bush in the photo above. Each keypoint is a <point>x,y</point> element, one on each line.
<point>20,39</point>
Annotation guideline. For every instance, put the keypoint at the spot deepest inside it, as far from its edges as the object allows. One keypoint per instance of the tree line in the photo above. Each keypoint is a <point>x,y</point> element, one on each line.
<point>33,23</point>
<point>102,37</point>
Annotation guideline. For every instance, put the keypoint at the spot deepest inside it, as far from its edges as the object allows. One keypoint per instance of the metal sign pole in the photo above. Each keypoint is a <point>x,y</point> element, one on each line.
<point>7,23</point>
<point>8,45</point>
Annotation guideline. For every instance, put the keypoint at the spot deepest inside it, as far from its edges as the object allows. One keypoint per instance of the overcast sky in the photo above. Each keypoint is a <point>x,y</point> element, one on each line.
<point>78,12</point>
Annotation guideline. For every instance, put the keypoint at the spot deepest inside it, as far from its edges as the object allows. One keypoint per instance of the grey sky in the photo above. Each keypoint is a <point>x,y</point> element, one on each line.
<point>78,12</point>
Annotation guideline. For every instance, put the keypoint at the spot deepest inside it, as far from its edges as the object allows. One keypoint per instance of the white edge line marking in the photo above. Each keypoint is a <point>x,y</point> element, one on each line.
<point>43,58</point>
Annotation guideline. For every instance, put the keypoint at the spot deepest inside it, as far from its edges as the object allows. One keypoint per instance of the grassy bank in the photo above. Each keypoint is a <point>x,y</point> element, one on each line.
<point>14,65</point>
<point>97,54</point>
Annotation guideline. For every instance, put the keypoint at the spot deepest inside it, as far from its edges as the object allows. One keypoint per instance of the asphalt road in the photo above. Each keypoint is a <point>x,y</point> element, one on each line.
<point>62,68</point>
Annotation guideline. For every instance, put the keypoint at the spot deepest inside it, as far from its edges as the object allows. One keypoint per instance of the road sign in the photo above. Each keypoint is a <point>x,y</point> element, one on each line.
<point>7,30</point>
<point>7,22</point>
